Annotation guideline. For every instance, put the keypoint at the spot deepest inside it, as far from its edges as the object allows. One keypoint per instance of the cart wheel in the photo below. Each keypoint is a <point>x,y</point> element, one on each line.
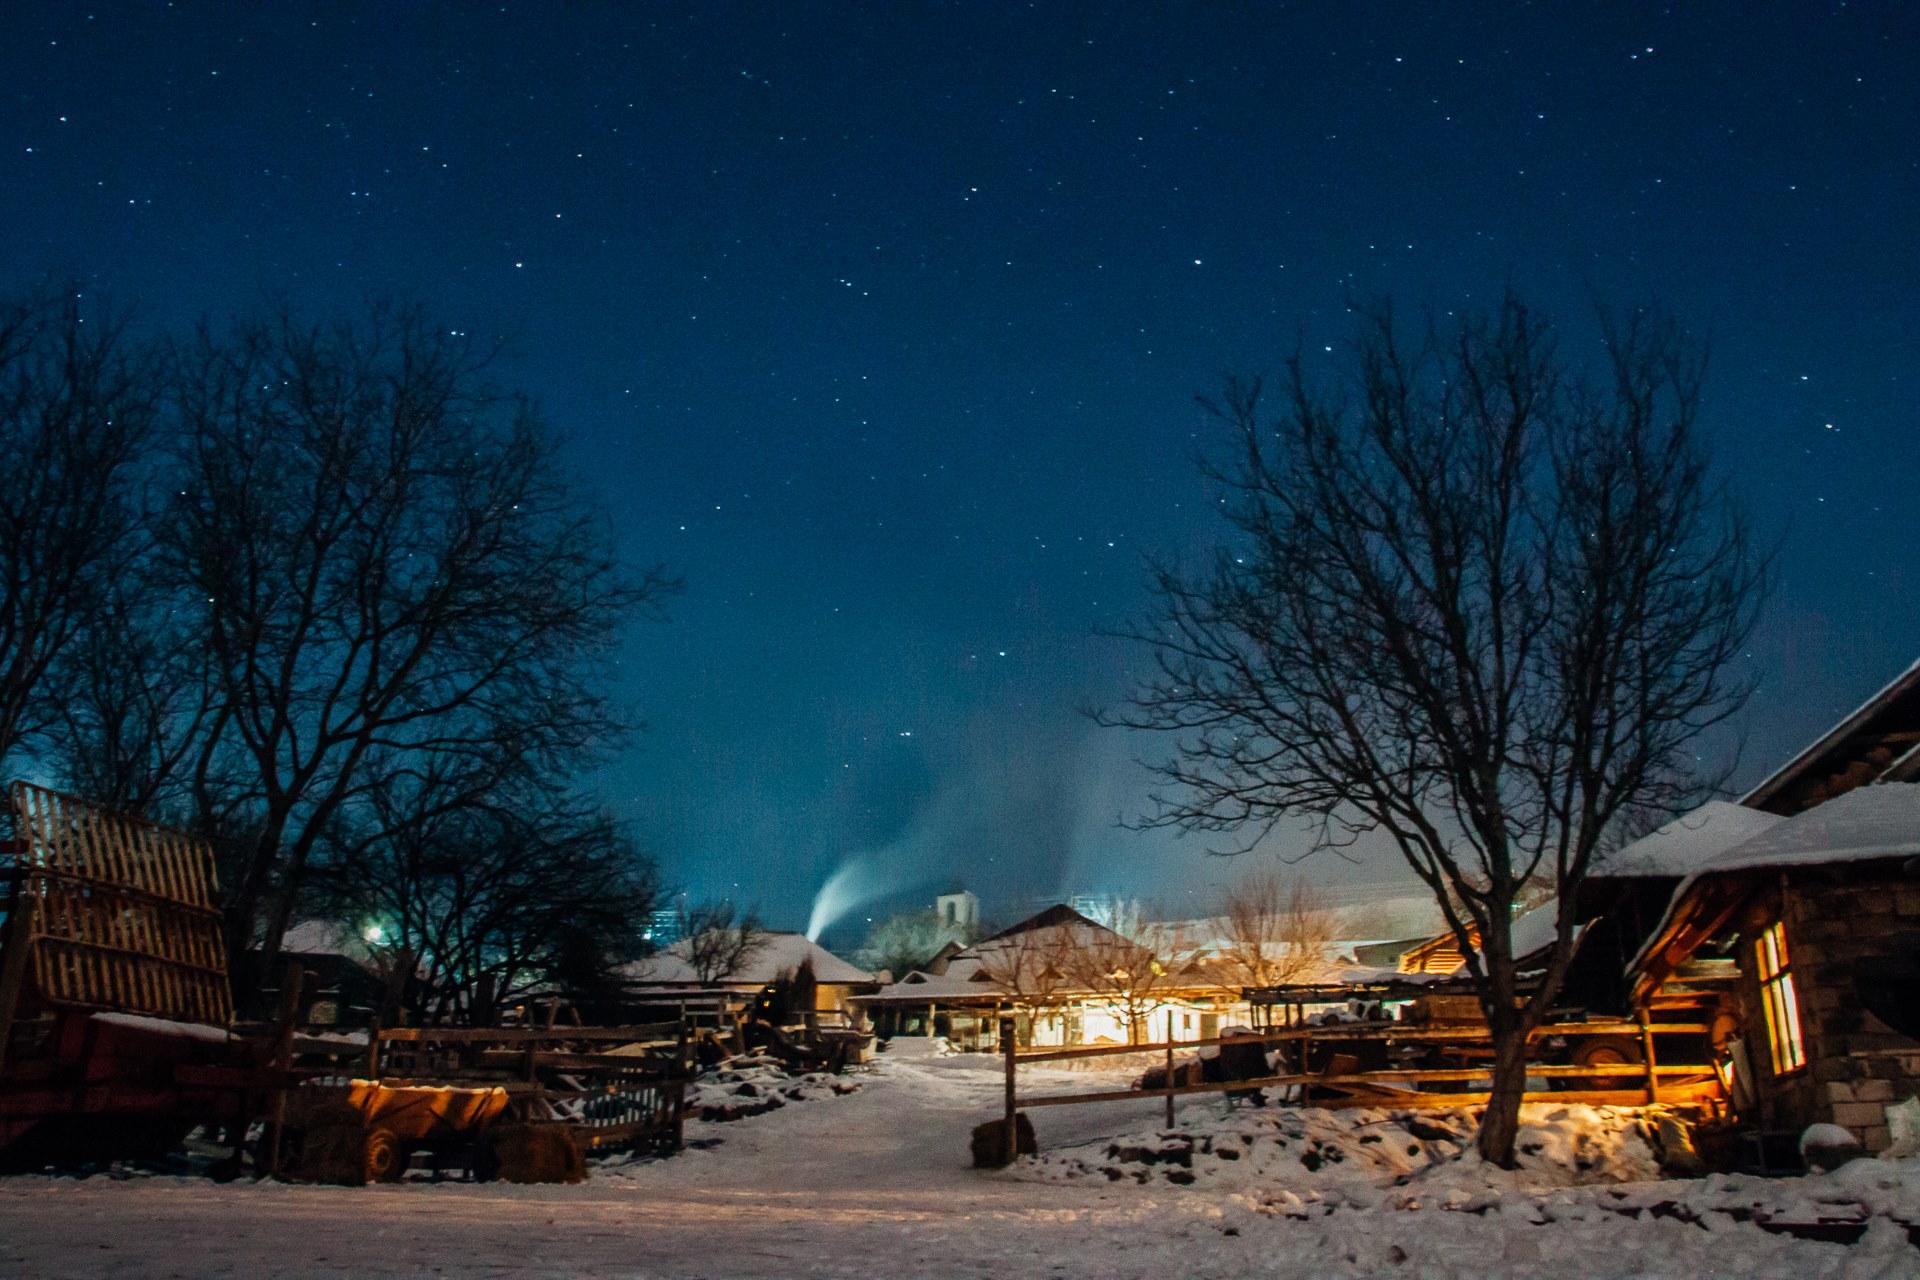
<point>1600,1051</point>
<point>385,1157</point>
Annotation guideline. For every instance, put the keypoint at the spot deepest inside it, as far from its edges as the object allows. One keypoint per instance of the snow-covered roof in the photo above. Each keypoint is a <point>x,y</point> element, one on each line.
<point>780,956</point>
<point>1881,820</point>
<point>966,975</point>
<point>1688,842</point>
<point>324,938</point>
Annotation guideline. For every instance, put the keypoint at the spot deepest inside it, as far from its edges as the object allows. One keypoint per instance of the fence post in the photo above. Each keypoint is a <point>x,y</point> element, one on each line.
<point>282,1062</point>
<point>1646,1051</point>
<point>1007,1049</point>
<point>1169,1068</point>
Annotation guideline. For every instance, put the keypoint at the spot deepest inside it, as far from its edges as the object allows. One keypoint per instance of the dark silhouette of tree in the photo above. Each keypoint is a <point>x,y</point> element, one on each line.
<point>78,403</point>
<point>391,571</point>
<point>531,891</point>
<point>1479,601</point>
<point>135,699</point>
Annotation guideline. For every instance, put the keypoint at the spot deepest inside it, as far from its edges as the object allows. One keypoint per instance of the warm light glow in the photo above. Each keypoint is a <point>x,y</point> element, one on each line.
<point>1778,1002</point>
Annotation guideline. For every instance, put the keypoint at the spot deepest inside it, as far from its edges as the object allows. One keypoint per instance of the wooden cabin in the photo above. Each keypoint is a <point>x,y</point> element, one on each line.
<point>1820,917</point>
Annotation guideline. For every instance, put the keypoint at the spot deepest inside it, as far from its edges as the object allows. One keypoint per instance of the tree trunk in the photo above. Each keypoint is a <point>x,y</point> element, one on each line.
<point>1501,1124</point>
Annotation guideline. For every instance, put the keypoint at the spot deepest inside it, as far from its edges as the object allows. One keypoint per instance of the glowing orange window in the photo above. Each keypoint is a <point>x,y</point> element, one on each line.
<point>1777,1000</point>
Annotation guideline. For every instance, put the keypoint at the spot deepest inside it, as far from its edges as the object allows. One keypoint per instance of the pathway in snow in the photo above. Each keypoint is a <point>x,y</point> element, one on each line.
<point>875,1184</point>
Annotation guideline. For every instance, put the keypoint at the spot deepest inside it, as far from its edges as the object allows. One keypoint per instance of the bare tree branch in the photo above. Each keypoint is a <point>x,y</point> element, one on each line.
<point>1480,601</point>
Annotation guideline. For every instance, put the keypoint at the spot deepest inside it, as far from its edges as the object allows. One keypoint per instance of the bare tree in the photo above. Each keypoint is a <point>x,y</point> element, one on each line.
<point>529,889</point>
<point>1130,965</point>
<point>1029,968</point>
<point>136,699</point>
<point>719,939</point>
<point>1276,930</point>
<point>904,942</point>
<point>389,563</point>
<point>78,403</point>
<point>1480,602</point>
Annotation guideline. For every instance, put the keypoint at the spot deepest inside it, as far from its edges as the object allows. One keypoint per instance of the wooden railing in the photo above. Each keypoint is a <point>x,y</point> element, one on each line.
<point>1653,1082</point>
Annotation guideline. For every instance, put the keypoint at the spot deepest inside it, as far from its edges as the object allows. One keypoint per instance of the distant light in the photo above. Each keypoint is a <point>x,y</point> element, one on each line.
<point>374,933</point>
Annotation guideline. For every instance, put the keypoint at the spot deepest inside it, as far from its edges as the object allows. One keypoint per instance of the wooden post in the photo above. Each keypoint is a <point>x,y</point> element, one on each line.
<point>1169,1068</point>
<point>13,963</point>
<point>1646,1050</point>
<point>1007,1050</point>
<point>282,1061</point>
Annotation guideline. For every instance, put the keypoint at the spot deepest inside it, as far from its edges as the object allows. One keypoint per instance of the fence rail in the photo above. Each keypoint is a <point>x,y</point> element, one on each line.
<point>1654,1082</point>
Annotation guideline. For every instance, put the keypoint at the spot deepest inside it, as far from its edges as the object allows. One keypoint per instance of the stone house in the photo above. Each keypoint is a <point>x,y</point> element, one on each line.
<point>1820,914</point>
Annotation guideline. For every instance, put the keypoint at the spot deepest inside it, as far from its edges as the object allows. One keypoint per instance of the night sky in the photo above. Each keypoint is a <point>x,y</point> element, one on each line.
<point>883,326</point>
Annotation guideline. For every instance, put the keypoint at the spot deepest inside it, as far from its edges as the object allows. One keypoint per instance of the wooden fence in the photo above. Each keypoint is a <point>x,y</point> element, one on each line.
<point>1647,1082</point>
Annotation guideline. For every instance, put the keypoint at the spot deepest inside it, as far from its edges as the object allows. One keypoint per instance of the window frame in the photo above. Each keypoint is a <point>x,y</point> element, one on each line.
<point>1779,1001</point>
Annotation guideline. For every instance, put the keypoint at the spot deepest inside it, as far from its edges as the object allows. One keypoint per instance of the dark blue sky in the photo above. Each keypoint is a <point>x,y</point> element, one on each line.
<point>882,325</point>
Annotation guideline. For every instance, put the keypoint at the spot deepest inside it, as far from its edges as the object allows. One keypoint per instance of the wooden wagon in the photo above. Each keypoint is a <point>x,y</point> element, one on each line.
<point>115,1011</point>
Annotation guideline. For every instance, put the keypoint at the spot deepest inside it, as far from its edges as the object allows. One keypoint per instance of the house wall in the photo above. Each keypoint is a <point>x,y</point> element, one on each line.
<point>1836,918</point>
<point>1069,1025</point>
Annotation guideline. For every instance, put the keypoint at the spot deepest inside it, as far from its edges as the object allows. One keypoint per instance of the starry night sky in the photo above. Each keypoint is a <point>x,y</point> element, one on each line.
<point>883,325</point>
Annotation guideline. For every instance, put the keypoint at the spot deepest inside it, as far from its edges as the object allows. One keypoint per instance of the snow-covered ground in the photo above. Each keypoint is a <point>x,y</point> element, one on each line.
<point>875,1184</point>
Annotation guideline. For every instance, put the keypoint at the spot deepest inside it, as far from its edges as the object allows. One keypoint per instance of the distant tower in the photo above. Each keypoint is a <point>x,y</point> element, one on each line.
<point>961,910</point>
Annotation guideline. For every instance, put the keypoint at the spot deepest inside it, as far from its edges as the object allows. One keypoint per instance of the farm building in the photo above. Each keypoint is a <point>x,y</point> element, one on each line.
<point>1532,933</point>
<point>1066,980</point>
<point>781,959</point>
<point>1627,891</point>
<point>1879,742</point>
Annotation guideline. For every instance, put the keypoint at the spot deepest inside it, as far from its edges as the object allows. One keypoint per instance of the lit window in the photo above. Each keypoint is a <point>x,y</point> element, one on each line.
<point>1776,998</point>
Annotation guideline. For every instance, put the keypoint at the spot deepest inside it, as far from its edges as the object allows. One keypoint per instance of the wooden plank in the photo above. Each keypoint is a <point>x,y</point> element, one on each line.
<point>115,933</point>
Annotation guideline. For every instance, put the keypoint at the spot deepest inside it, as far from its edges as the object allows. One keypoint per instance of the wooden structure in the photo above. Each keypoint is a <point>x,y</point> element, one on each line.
<point>1438,954</point>
<point>1317,1063</point>
<point>522,1103</point>
<point>110,912</point>
<point>115,1009</point>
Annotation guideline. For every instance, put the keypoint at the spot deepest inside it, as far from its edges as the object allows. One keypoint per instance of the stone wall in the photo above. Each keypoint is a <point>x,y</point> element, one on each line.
<point>1836,917</point>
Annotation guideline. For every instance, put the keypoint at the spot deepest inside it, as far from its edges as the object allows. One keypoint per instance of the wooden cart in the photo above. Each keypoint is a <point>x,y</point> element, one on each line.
<point>115,1011</point>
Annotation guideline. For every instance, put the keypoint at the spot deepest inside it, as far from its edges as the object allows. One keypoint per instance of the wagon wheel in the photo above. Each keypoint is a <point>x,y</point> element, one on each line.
<point>385,1157</point>
<point>1600,1051</point>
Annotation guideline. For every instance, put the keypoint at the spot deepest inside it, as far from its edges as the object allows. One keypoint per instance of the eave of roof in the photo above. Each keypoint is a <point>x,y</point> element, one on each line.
<point>1769,789</point>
